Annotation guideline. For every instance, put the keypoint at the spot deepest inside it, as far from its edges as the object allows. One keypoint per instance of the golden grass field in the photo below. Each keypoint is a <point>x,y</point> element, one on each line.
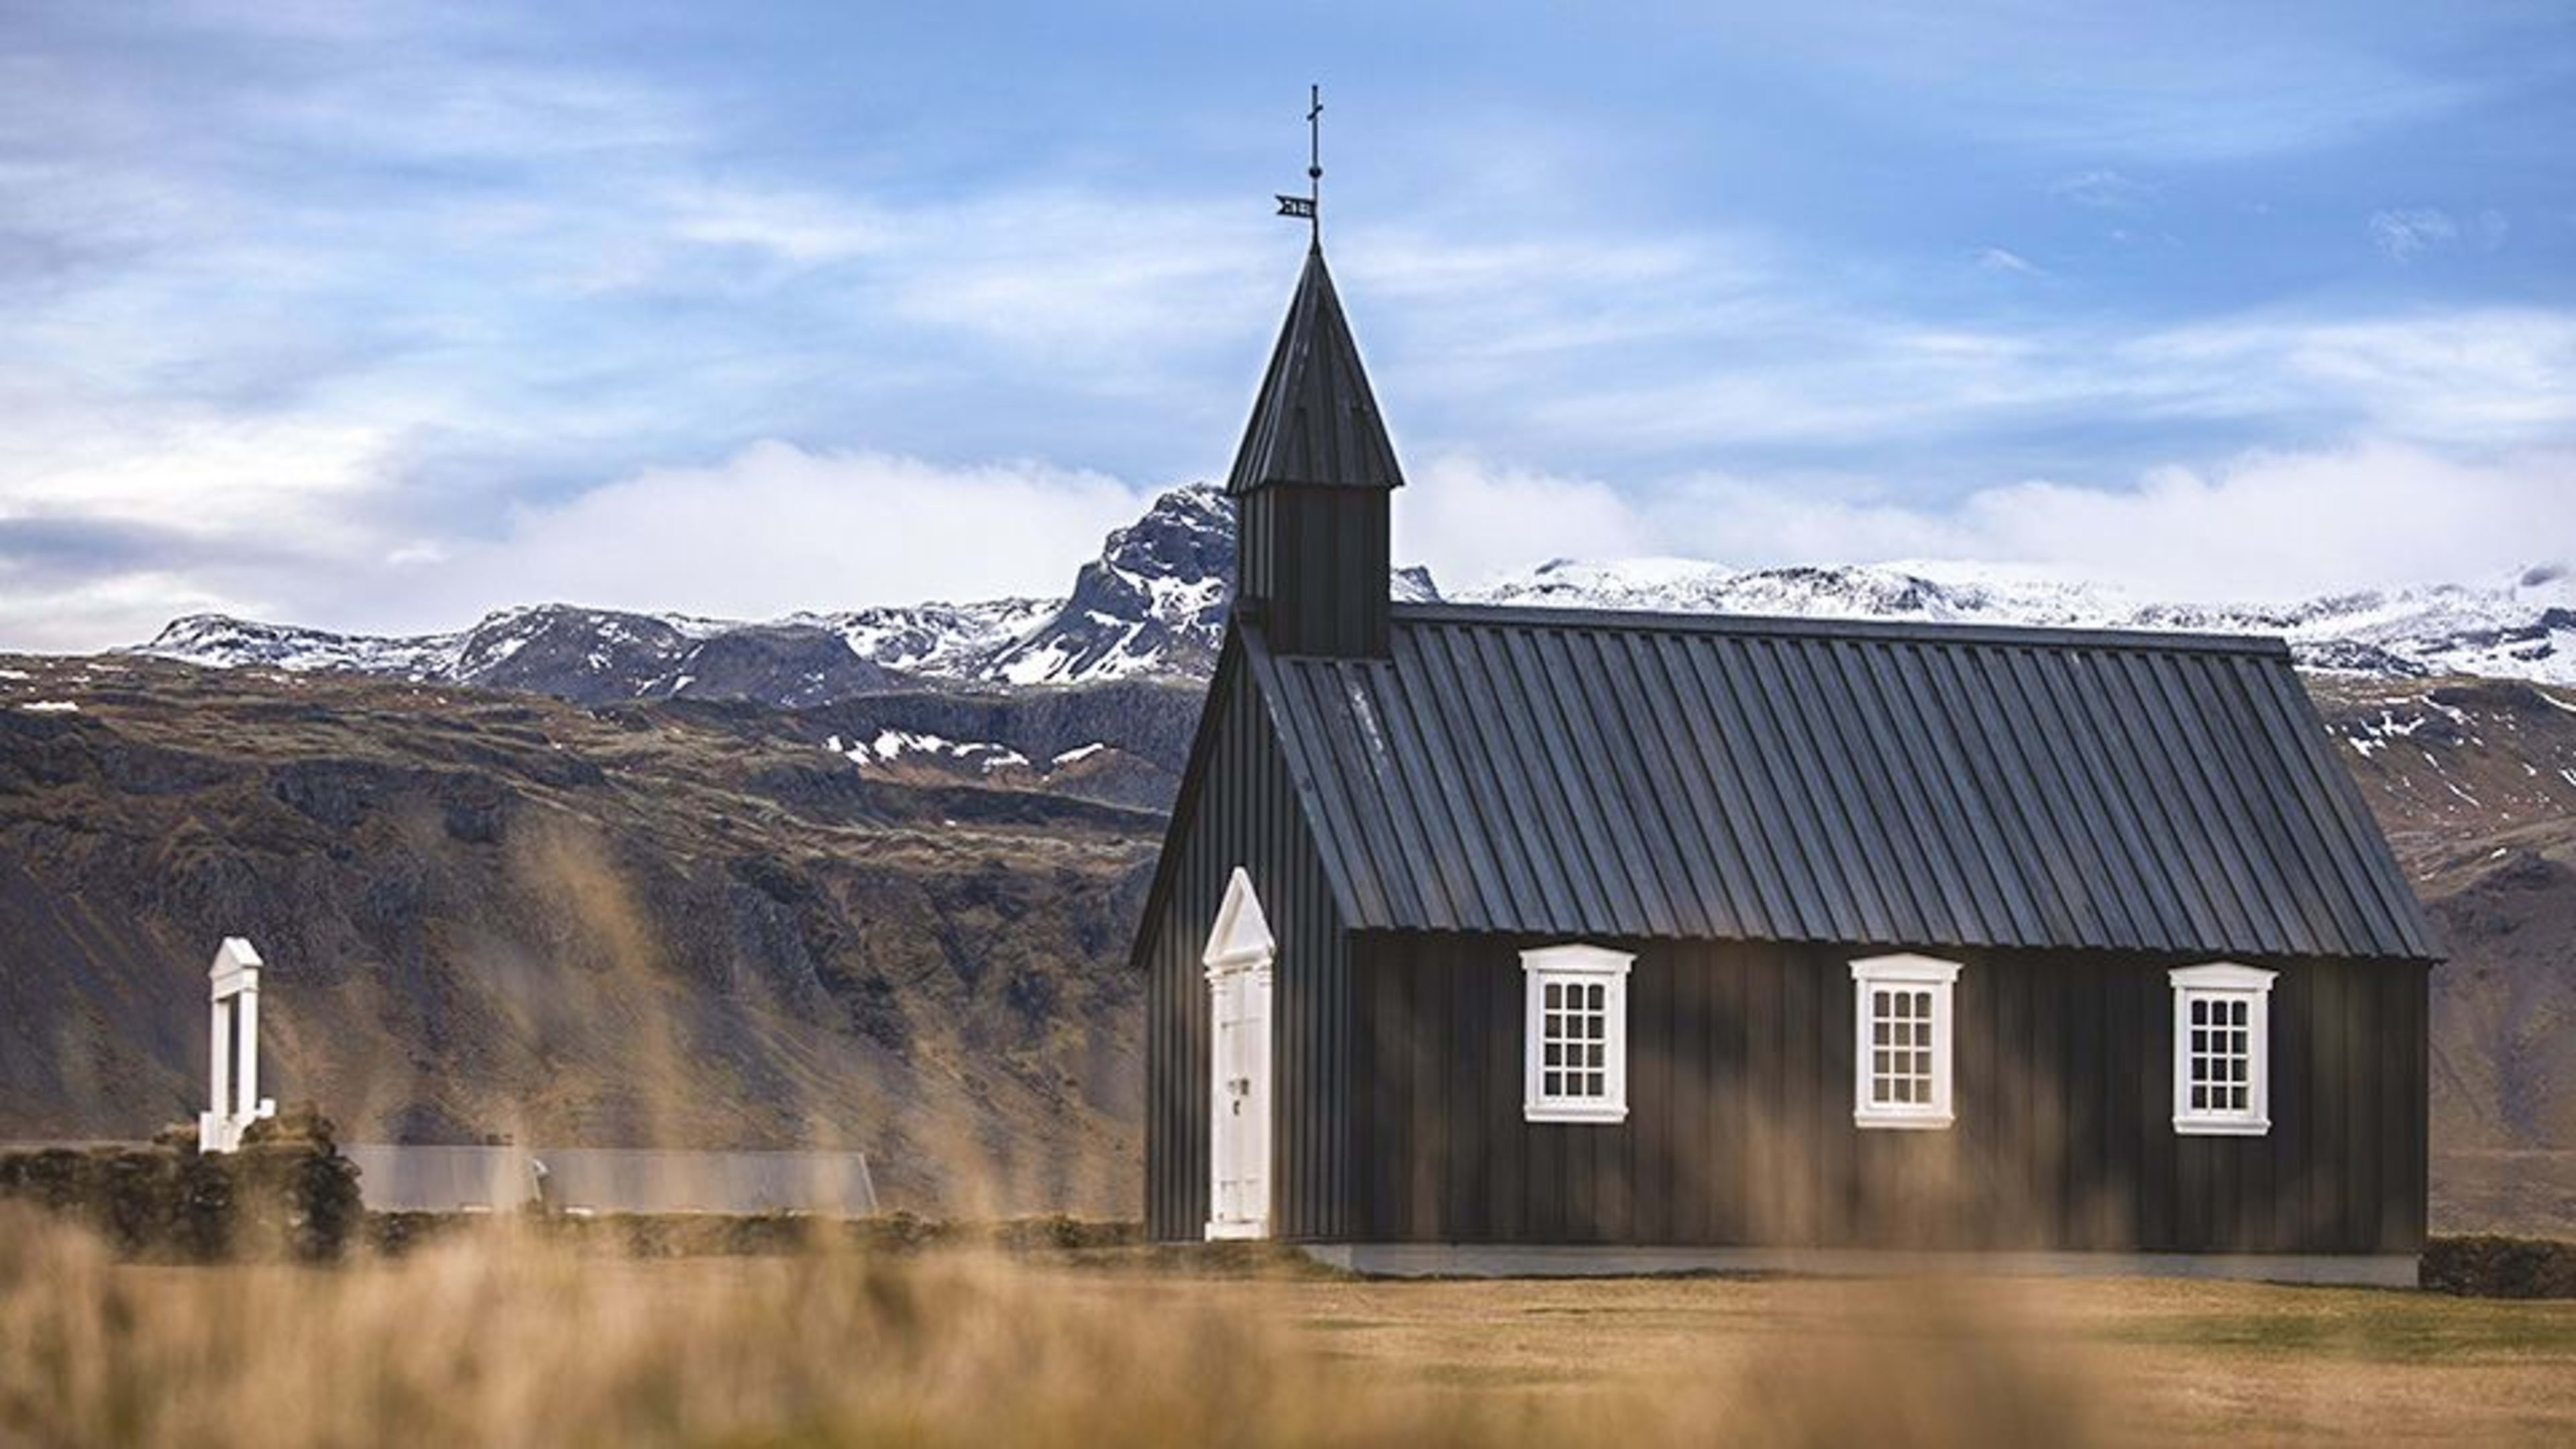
<point>504,1342</point>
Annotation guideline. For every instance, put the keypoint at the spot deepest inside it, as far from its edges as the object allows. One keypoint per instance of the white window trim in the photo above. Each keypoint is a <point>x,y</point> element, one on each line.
<point>1573,965</point>
<point>1903,970</point>
<point>2223,980</point>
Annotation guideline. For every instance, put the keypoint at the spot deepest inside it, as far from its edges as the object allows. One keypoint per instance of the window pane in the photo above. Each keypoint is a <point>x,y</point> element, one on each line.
<point>2199,1012</point>
<point>1555,996</point>
<point>1594,1059</point>
<point>1552,1084</point>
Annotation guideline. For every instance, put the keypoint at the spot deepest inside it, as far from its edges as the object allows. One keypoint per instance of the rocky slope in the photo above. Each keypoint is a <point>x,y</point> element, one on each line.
<point>895,921</point>
<point>667,922</point>
<point>2475,782</point>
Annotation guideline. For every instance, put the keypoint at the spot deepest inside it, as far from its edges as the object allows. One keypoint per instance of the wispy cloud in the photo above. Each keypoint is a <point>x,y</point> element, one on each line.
<point>2009,263</point>
<point>366,313</point>
<point>2104,189</point>
<point>2409,232</point>
<point>2261,526</point>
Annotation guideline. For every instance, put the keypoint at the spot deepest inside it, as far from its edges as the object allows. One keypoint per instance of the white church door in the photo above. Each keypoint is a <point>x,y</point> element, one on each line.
<point>1239,956</point>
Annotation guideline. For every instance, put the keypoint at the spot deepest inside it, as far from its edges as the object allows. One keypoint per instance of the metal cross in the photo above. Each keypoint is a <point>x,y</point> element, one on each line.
<point>1315,158</point>
<point>1310,205</point>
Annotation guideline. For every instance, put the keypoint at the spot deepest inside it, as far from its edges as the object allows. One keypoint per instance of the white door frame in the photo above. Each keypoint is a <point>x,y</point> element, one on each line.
<point>1240,953</point>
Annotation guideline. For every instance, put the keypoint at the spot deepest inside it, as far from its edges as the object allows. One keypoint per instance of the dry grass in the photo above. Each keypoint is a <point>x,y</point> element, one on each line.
<point>502,1342</point>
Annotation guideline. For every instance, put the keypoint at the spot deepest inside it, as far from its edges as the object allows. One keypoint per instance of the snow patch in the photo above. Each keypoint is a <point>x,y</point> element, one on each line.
<point>50,706</point>
<point>1038,666</point>
<point>892,745</point>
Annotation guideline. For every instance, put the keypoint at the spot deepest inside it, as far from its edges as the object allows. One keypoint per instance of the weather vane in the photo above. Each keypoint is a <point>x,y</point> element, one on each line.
<point>1309,205</point>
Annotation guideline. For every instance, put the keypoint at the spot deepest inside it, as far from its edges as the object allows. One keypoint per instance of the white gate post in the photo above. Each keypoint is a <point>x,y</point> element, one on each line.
<point>233,1079</point>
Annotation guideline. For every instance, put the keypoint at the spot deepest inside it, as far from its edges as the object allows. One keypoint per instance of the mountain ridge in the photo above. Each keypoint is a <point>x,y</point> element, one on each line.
<point>1152,605</point>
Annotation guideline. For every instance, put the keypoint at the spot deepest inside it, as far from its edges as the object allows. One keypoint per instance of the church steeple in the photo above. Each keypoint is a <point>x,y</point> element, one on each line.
<point>1310,485</point>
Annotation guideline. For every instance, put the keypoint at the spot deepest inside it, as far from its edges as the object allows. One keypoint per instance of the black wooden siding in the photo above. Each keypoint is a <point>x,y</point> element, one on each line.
<point>1312,562</point>
<point>1740,1095</point>
<point>1238,809</point>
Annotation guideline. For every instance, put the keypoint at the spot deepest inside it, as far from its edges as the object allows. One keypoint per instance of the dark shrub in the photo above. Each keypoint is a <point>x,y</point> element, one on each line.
<point>287,1193</point>
<point>201,1220</point>
<point>2487,1266</point>
<point>134,1197</point>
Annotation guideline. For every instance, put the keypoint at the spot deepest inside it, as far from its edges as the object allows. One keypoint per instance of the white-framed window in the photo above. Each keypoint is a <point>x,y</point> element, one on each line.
<point>1575,1063</point>
<point>2222,1062</point>
<point>1901,1043</point>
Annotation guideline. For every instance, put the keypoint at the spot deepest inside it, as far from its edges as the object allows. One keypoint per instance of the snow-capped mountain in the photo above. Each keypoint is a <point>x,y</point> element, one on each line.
<point>590,656</point>
<point>1152,606</point>
<point>2523,627</point>
<point>1153,603</point>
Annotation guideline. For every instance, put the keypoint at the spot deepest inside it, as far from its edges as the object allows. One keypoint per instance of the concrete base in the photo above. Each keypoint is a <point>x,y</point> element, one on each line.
<point>1496,1260</point>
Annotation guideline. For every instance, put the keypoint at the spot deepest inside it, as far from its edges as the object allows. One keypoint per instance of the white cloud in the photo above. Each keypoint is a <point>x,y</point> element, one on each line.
<point>2104,189</point>
<point>1996,259</point>
<point>2480,377</point>
<point>776,528</point>
<point>108,611</point>
<point>2489,377</point>
<point>248,481</point>
<point>2265,525</point>
<point>2262,526</point>
<point>1470,522</point>
<point>2407,233</point>
<point>770,530</point>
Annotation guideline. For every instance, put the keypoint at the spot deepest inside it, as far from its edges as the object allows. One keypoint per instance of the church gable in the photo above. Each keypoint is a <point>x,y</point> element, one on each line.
<point>1239,806</point>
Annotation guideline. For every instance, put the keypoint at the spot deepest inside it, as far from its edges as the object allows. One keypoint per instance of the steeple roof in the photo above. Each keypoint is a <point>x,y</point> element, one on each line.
<point>1315,421</point>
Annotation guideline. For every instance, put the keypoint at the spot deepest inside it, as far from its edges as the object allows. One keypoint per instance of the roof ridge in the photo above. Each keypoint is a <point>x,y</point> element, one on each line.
<point>1908,630</point>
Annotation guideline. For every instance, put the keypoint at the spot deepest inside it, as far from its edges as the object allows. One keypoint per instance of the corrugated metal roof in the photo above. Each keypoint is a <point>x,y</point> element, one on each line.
<point>1564,772</point>
<point>1315,420</point>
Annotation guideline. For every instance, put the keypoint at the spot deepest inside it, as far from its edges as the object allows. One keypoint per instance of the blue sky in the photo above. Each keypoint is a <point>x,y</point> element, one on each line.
<point>378,316</point>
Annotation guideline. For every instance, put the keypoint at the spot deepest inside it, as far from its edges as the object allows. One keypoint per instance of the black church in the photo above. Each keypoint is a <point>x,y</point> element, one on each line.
<point>1493,939</point>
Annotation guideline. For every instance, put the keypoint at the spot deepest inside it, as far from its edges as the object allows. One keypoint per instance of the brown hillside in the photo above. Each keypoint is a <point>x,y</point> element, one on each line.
<point>499,914</point>
<point>2475,781</point>
<point>691,924</point>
